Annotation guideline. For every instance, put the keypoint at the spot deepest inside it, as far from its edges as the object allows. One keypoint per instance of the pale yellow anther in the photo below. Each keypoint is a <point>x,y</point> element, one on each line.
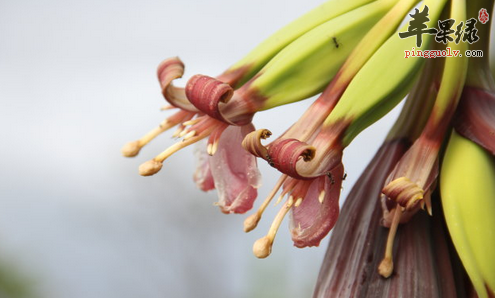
<point>183,133</point>
<point>427,202</point>
<point>214,148</point>
<point>153,166</point>
<point>190,135</point>
<point>131,149</point>
<point>279,199</point>
<point>251,222</point>
<point>321,197</point>
<point>262,247</point>
<point>208,149</point>
<point>191,122</point>
<point>150,167</point>
<point>298,202</point>
<point>290,201</point>
<point>386,267</point>
<point>177,132</point>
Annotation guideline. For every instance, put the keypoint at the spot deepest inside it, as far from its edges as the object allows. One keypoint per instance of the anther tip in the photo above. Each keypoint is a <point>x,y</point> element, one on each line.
<point>386,267</point>
<point>321,197</point>
<point>429,210</point>
<point>150,167</point>
<point>251,222</point>
<point>262,247</point>
<point>131,149</point>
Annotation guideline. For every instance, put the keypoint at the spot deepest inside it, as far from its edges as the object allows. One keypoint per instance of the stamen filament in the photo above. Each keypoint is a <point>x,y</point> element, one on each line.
<point>189,135</point>
<point>167,107</point>
<point>151,167</point>
<point>132,149</point>
<point>386,266</point>
<point>282,195</point>
<point>263,246</point>
<point>178,131</point>
<point>252,221</point>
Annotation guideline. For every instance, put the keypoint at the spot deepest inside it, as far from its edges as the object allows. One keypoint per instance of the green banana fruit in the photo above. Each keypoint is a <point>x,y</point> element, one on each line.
<point>266,50</point>
<point>301,70</point>
<point>306,66</point>
<point>369,96</point>
<point>365,100</point>
<point>467,185</point>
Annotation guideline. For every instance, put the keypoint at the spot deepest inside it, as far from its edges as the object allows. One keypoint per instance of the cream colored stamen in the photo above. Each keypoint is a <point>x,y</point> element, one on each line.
<point>252,221</point>
<point>169,107</point>
<point>183,133</point>
<point>386,266</point>
<point>290,201</point>
<point>214,148</point>
<point>178,132</point>
<point>132,148</point>
<point>208,149</point>
<point>263,246</point>
<point>189,135</point>
<point>191,122</point>
<point>321,197</point>
<point>152,167</point>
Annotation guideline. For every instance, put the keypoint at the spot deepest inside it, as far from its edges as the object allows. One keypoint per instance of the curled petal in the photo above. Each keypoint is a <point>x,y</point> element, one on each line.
<point>475,117</point>
<point>301,160</point>
<point>169,70</point>
<point>252,142</point>
<point>205,93</point>
<point>235,171</point>
<point>405,192</point>
<point>283,154</point>
<point>202,175</point>
<point>315,217</point>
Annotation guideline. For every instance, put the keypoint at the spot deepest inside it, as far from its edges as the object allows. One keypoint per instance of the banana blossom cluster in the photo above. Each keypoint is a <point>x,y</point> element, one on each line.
<point>351,54</point>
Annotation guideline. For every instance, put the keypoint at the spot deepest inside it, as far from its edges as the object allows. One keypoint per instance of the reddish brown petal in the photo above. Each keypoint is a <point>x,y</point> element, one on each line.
<point>475,117</point>
<point>312,220</point>
<point>252,143</point>
<point>284,154</point>
<point>202,175</point>
<point>169,70</point>
<point>235,171</point>
<point>205,93</point>
<point>415,173</point>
